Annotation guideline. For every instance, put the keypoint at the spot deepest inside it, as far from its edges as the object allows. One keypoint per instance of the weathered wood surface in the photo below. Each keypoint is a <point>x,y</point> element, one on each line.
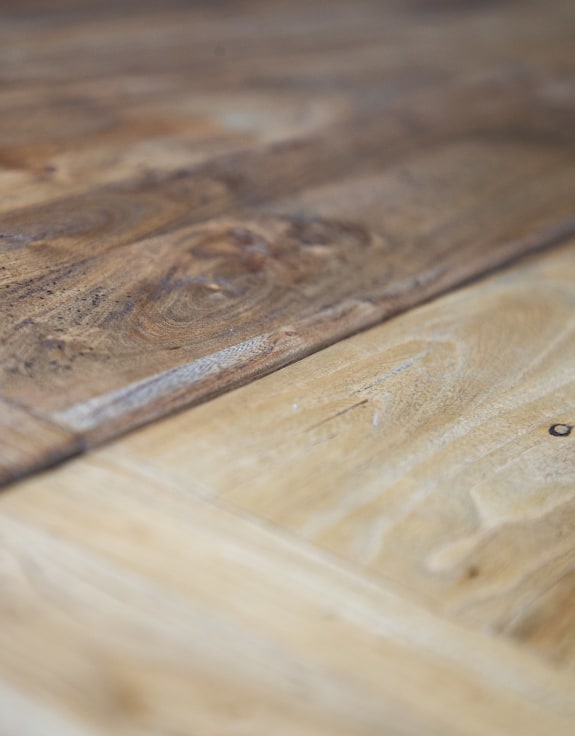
<point>193,195</point>
<point>376,540</point>
<point>419,452</point>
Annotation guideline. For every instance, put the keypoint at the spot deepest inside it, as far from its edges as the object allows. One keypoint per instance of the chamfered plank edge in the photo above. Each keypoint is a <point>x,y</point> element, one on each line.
<point>29,443</point>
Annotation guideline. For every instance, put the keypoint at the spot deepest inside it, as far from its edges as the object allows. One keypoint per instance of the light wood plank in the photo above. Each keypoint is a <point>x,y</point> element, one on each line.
<point>131,607</point>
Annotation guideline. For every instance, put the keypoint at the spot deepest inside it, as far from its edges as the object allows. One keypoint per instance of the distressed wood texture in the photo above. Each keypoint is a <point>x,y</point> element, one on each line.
<point>378,540</point>
<point>195,194</point>
<point>418,451</point>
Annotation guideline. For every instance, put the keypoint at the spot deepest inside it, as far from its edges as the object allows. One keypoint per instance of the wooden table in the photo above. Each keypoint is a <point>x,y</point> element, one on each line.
<point>339,239</point>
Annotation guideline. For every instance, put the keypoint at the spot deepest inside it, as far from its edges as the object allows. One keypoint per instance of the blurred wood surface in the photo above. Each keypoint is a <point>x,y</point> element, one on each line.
<point>377,540</point>
<point>194,194</point>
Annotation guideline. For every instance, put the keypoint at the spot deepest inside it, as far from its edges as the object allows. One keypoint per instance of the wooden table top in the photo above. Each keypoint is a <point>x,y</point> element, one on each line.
<point>339,239</point>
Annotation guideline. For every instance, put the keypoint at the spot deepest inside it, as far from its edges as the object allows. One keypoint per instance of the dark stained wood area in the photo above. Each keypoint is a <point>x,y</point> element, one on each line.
<point>193,194</point>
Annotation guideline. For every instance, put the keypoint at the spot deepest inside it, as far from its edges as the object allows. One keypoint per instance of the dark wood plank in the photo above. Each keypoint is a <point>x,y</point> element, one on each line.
<point>177,219</point>
<point>131,333</point>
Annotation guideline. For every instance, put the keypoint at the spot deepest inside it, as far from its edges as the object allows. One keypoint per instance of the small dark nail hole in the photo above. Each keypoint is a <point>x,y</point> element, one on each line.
<point>560,430</point>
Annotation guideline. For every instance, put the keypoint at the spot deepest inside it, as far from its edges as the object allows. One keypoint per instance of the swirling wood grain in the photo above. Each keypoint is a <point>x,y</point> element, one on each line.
<point>193,196</point>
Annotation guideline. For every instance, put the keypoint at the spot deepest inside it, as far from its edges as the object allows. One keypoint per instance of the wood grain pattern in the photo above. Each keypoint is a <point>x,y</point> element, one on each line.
<point>375,540</point>
<point>197,194</point>
<point>418,451</point>
<point>247,630</point>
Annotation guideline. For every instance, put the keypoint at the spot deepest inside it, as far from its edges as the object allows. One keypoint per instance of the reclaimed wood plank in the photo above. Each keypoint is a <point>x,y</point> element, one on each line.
<point>125,336</point>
